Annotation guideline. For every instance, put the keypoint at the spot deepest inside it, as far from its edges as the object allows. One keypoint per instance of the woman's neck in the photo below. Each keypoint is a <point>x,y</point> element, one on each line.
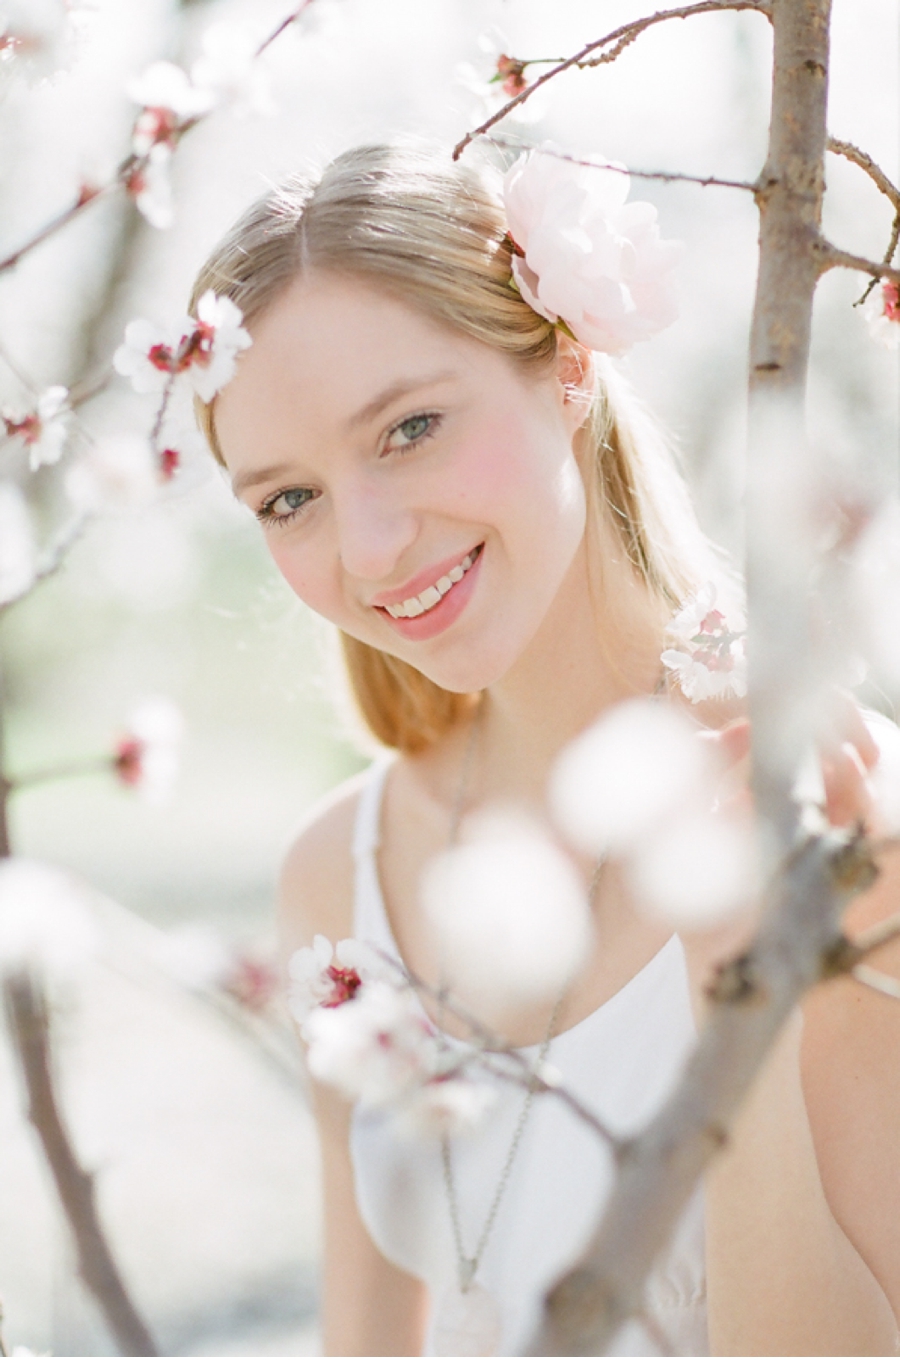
<point>599,644</point>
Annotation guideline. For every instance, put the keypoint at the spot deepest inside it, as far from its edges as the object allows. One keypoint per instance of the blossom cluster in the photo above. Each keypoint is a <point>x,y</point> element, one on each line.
<point>707,652</point>
<point>171,101</point>
<point>882,313</point>
<point>367,1036</point>
<point>202,349</point>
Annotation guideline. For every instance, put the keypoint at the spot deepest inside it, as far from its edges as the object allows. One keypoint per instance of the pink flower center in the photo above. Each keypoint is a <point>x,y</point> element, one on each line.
<point>196,348</point>
<point>346,982</point>
<point>158,125</point>
<point>169,463</point>
<point>28,428</point>
<point>128,762</point>
<point>891,296</point>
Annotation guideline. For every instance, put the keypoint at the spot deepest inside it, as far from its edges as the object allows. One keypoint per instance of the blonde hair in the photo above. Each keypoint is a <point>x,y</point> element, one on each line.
<point>433,234</point>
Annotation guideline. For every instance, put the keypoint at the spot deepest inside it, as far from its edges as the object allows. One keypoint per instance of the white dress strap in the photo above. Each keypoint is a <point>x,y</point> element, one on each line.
<point>370,921</point>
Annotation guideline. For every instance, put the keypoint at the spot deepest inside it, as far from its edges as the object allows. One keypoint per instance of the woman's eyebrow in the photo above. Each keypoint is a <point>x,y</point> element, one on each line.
<point>393,393</point>
<point>257,476</point>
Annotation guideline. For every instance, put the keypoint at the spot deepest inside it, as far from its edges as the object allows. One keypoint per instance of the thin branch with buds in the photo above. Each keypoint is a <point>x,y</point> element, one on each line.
<point>53,561</point>
<point>616,41</point>
<point>883,184</point>
<point>831,257</point>
<point>129,167</point>
<point>666,176</point>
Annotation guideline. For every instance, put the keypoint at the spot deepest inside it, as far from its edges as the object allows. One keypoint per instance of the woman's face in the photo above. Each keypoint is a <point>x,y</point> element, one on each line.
<point>415,487</point>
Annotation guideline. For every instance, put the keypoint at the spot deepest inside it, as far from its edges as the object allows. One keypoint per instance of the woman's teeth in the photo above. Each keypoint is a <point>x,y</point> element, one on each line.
<point>420,604</point>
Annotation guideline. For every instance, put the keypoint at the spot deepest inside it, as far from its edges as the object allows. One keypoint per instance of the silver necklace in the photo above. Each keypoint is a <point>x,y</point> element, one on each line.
<point>467,1317</point>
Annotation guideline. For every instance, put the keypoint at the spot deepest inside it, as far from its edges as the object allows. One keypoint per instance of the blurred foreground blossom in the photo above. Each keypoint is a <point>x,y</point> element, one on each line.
<point>229,71</point>
<point>585,256</point>
<point>508,914</point>
<point>882,313</point>
<point>148,756</point>
<point>325,975</point>
<point>45,924</point>
<point>203,348</point>
<point>708,652</point>
<point>36,36</point>
<point>168,102</point>
<point>43,429</point>
<point>150,184</point>
<point>376,1048</point>
<point>117,473</point>
<point>696,871</point>
<point>445,1107</point>
<point>627,774</point>
<point>194,955</point>
<point>18,557</point>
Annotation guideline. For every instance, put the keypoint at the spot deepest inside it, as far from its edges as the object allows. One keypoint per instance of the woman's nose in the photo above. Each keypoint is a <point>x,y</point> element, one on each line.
<point>373,532</point>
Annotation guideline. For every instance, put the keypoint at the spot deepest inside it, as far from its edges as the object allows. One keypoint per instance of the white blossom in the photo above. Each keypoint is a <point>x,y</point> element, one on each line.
<point>444,1107</point>
<point>148,755</point>
<point>627,773</point>
<point>166,88</point>
<point>325,975</point>
<point>36,37</point>
<point>882,314</point>
<point>150,185</point>
<point>229,70</point>
<point>43,429</point>
<point>590,259</point>
<point>203,349</point>
<point>18,554</point>
<point>117,473</point>
<point>375,1048</point>
<point>45,923</point>
<point>508,915</point>
<point>708,652</point>
<point>696,870</point>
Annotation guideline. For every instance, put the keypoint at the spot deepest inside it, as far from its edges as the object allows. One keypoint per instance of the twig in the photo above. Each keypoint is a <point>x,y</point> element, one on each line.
<point>833,258</point>
<point>622,37</point>
<point>493,1045</point>
<point>871,168</point>
<point>667,176</point>
<point>76,770</point>
<point>878,981</point>
<point>127,168</point>
<point>53,560</point>
<point>28,1023</point>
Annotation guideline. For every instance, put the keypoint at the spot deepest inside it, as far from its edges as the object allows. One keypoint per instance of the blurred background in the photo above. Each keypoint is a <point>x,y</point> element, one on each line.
<point>193,1116</point>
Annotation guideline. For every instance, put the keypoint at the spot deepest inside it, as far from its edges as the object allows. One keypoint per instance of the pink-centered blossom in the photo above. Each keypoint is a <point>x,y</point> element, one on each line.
<point>708,652</point>
<point>585,256</point>
<point>150,185</point>
<point>508,915</point>
<point>37,36</point>
<point>376,1048</point>
<point>168,100</point>
<point>322,974</point>
<point>147,756</point>
<point>43,429</point>
<point>882,313</point>
<point>203,349</point>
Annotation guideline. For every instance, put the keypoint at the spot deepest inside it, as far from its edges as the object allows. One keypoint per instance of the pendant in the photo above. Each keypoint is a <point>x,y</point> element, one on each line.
<point>466,1321</point>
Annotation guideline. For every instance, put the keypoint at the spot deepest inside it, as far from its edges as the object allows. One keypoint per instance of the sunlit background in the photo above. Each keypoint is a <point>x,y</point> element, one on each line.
<point>197,1125</point>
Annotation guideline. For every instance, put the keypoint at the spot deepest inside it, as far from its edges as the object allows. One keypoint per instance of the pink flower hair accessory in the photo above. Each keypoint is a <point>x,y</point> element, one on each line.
<point>584,258</point>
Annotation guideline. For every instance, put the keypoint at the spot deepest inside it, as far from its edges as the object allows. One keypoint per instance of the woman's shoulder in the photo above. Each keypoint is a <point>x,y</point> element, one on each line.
<point>316,885</point>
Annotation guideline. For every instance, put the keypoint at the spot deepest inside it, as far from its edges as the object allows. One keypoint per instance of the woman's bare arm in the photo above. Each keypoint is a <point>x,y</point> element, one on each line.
<point>369,1306</point>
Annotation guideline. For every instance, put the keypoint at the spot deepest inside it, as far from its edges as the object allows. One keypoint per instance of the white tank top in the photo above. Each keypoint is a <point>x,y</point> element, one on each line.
<point>622,1061</point>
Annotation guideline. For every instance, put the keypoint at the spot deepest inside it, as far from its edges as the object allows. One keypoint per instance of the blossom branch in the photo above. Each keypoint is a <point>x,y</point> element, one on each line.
<point>492,1045</point>
<point>867,164</point>
<point>130,168</point>
<point>27,1014</point>
<point>53,561</point>
<point>666,176</point>
<point>619,38</point>
<point>75,770</point>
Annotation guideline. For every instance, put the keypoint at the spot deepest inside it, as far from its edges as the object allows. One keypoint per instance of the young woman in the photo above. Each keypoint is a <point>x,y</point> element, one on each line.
<point>459,486</point>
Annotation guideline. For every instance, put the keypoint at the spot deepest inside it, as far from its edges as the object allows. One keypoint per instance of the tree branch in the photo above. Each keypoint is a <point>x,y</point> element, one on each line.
<point>666,176</point>
<point>131,164</point>
<point>871,168</point>
<point>622,37</point>
<point>833,258</point>
<point>28,1024</point>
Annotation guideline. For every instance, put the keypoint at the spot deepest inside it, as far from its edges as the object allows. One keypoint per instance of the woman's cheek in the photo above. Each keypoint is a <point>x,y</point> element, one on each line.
<point>307,578</point>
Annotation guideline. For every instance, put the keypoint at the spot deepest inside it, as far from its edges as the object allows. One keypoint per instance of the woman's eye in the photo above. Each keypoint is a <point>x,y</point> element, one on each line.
<point>411,430</point>
<point>285,505</point>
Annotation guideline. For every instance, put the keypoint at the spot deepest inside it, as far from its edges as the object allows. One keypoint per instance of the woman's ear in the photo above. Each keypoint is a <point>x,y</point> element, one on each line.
<point>575,374</point>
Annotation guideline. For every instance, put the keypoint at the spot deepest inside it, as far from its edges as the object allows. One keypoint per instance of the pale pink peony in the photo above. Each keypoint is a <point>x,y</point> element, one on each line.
<point>882,313</point>
<point>588,258</point>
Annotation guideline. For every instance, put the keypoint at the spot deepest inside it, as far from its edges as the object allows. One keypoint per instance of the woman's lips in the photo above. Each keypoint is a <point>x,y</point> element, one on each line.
<point>448,608</point>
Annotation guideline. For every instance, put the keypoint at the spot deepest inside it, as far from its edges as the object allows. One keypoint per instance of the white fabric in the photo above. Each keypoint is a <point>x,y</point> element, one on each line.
<point>622,1061</point>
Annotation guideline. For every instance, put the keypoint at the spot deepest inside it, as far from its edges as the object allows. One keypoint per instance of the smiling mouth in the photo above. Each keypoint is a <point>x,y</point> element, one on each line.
<point>432,595</point>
